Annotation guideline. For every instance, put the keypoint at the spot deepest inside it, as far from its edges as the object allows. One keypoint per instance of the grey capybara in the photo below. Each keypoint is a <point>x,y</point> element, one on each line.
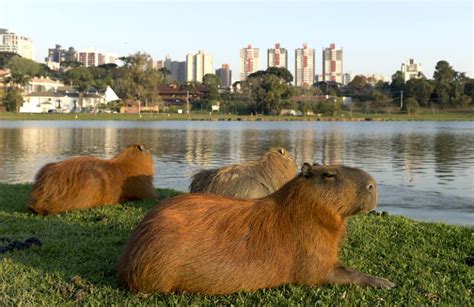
<point>250,180</point>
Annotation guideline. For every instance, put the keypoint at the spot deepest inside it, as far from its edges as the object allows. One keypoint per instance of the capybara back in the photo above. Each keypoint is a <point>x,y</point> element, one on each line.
<point>249,180</point>
<point>86,182</point>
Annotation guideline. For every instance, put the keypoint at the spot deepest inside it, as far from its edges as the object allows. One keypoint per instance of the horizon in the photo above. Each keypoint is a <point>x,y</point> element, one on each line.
<point>377,37</point>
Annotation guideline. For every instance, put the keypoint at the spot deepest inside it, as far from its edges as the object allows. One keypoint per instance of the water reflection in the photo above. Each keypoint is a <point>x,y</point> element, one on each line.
<point>414,159</point>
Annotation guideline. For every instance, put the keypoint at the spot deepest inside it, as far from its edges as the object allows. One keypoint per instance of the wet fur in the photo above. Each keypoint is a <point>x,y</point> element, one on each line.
<point>87,182</point>
<point>249,180</point>
<point>214,245</point>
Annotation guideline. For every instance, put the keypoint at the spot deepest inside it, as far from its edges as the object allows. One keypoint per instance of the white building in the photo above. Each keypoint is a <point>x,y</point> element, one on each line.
<point>372,79</point>
<point>304,66</point>
<point>43,84</point>
<point>198,65</point>
<point>65,101</point>
<point>249,61</point>
<point>411,70</point>
<point>277,57</point>
<point>333,64</point>
<point>346,78</point>
<point>11,42</point>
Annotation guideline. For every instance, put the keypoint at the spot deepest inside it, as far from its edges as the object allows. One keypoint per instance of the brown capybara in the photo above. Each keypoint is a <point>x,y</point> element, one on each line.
<point>214,245</point>
<point>87,182</point>
<point>250,180</point>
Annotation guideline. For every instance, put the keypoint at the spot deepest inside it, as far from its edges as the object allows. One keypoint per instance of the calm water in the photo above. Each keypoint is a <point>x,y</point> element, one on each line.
<point>425,170</point>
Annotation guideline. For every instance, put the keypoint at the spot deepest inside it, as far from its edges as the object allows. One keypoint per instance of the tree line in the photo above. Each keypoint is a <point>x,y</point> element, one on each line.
<point>263,92</point>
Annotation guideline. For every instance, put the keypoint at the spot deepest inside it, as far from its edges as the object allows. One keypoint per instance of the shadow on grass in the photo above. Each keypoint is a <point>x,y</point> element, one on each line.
<point>83,243</point>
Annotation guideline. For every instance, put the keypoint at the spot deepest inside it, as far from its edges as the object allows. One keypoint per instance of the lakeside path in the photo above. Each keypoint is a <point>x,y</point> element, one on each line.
<point>426,116</point>
<point>429,262</point>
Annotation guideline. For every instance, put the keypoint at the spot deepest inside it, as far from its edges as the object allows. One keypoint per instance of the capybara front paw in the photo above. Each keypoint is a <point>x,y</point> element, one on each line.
<point>379,282</point>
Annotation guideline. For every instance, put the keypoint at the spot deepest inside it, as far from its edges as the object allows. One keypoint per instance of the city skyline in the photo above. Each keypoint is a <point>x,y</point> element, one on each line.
<point>375,36</point>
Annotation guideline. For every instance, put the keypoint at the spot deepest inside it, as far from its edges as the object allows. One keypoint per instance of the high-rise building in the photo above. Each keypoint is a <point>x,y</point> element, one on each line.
<point>225,75</point>
<point>277,57</point>
<point>249,61</point>
<point>333,64</point>
<point>411,70</point>
<point>346,78</point>
<point>197,65</point>
<point>158,64</point>
<point>92,58</point>
<point>59,54</point>
<point>11,42</point>
<point>304,66</point>
<point>176,68</point>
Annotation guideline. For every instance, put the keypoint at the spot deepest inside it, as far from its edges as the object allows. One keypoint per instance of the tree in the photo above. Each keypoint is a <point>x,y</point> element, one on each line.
<point>65,65</point>
<point>12,100</point>
<point>164,73</point>
<point>6,56</point>
<point>359,85</point>
<point>22,70</point>
<point>138,79</point>
<point>398,83</point>
<point>469,88</point>
<point>410,105</point>
<point>327,87</point>
<point>82,79</point>
<point>419,89</point>
<point>268,93</point>
<point>443,77</point>
<point>212,82</point>
<point>281,72</point>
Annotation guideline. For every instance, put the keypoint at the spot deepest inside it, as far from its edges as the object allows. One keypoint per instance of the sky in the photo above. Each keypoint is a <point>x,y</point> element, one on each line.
<point>376,36</point>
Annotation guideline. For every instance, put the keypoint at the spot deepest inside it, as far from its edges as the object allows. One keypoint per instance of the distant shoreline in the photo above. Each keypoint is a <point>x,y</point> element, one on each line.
<point>343,117</point>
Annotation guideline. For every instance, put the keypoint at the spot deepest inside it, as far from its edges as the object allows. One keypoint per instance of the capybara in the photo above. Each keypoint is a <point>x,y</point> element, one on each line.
<point>250,180</point>
<point>87,182</point>
<point>214,245</point>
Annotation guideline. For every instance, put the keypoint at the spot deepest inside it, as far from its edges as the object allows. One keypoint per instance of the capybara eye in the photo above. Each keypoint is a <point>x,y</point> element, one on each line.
<point>329,175</point>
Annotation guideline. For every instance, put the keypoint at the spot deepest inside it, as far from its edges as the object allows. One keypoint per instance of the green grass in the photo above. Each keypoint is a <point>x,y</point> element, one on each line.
<point>424,114</point>
<point>429,262</point>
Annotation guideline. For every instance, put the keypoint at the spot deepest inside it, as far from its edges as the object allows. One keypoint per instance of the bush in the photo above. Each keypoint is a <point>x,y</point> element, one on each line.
<point>410,105</point>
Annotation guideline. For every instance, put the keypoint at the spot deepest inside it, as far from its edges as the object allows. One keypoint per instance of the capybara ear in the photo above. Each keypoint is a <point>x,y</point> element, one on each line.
<point>306,170</point>
<point>141,147</point>
<point>281,151</point>
<point>316,164</point>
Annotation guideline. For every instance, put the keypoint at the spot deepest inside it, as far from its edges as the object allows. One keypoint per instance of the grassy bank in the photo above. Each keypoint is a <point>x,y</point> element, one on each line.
<point>345,116</point>
<point>429,262</point>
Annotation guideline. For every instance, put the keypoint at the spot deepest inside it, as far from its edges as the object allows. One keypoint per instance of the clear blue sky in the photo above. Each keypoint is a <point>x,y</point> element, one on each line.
<point>377,36</point>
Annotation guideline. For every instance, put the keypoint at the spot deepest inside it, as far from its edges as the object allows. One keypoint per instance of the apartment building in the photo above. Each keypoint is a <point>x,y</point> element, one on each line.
<point>304,66</point>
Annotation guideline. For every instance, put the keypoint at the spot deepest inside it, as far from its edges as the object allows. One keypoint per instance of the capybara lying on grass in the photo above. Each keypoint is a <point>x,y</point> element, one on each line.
<point>253,179</point>
<point>86,182</point>
<point>214,245</point>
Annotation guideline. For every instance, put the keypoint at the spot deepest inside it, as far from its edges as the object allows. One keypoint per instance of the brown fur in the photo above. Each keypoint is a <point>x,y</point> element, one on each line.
<point>87,182</point>
<point>255,179</point>
<point>215,245</point>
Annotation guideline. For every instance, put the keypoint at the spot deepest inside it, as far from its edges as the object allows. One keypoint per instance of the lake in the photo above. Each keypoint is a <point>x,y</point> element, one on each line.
<point>425,170</point>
